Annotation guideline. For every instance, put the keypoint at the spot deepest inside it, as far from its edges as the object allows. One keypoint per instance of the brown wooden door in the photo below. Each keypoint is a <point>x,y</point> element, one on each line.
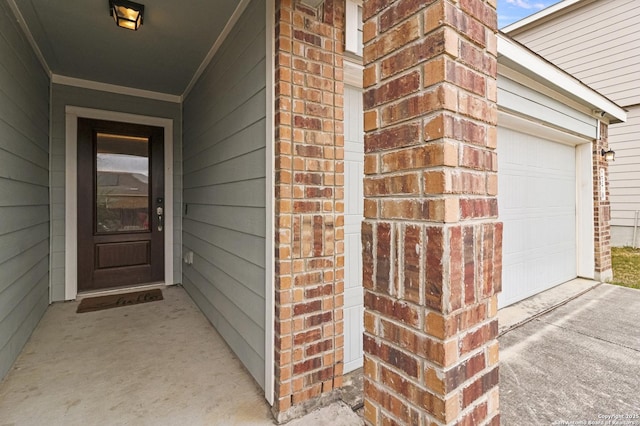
<point>120,204</point>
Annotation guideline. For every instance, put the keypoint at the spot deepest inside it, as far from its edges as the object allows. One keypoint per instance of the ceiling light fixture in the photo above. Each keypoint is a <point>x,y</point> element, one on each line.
<point>127,14</point>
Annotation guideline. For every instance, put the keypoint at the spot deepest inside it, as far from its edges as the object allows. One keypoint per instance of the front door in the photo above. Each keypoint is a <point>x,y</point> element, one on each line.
<point>120,204</point>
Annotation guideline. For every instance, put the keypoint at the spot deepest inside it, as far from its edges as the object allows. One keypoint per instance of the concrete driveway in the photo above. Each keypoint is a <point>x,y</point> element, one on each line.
<point>577,364</point>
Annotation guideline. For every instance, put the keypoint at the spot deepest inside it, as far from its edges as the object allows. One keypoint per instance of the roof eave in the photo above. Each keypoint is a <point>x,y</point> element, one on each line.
<point>545,72</point>
<point>537,17</point>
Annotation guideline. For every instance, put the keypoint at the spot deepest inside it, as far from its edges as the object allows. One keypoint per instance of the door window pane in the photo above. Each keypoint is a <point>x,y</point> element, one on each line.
<point>122,183</point>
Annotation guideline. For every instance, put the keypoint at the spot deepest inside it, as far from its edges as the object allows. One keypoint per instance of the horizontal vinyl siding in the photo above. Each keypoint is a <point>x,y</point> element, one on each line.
<point>624,172</point>
<point>522,100</point>
<point>598,43</point>
<point>24,190</point>
<point>62,96</point>
<point>224,190</point>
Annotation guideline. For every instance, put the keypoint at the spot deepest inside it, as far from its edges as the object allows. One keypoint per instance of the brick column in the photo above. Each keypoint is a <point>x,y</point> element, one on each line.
<point>602,208</point>
<point>309,223</point>
<point>431,240</point>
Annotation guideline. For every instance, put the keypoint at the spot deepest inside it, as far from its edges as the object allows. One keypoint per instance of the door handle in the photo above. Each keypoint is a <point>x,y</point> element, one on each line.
<point>160,212</point>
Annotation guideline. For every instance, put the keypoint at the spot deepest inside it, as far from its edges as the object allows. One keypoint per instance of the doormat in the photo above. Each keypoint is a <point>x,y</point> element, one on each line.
<point>99,303</point>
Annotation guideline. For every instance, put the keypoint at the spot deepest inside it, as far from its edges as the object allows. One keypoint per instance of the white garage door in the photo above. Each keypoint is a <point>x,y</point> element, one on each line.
<point>537,204</point>
<point>353,207</point>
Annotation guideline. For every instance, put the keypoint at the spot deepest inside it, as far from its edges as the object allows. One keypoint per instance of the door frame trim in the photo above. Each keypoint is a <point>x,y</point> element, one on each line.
<point>269,266</point>
<point>72,113</point>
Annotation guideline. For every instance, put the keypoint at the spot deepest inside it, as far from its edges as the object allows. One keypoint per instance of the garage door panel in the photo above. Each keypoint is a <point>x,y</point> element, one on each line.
<point>537,202</point>
<point>353,326</point>
<point>354,207</point>
<point>353,268</point>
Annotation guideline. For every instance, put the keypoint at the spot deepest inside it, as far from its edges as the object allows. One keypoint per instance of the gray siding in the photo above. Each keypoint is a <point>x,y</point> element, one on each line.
<point>24,190</point>
<point>224,189</point>
<point>598,43</point>
<point>67,95</point>
<point>624,173</point>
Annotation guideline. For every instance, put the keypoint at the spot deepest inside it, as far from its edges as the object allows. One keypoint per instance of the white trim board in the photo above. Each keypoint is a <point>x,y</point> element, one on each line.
<point>27,33</point>
<point>353,73</point>
<point>351,26</point>
<point>544,13</point>
<point>113,88</point>
<point>216,45</point>
<point>269,266</point>
<point>524,124</point>
<point>541,70</point>
<point>71,188</point>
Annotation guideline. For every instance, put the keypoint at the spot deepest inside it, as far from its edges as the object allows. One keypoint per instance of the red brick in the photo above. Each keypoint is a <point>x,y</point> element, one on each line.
<point>427,48</point>
<point>393,40</point>
<point>433,268</point>
<point>412,263</point>
<point>387,401</point>
<point>464,371</point>
<point>478,208</point>
<point>480,387</point>
<point>465,24</point>
<point>308,279</point>
<point>456,269</point>
<point>392,356</point>
<point>319,319</point>
<point>487,260</point>
<point>479,337</point>
<point>394,137</point>
<point>476,416</point>
<point>392,185</point>
<point>308,365</point>
<point>367,255</point>
<point>398,12</point>
<point>394,89</point>
<point>441,97</point>
<point>481,11</point>
<point>413,158</point>
<point>466,78</point>
<point>306,308</point>
<point>383,258</point>
<point>307,122</point>
<point>323,290</point>
<point>399,310</point>
<point>307,337</point>
<point>317,348</point>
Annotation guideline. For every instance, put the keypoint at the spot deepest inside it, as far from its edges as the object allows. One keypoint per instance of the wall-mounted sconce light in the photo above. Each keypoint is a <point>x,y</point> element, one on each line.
<point>127,14</point>
<point>608,155</point>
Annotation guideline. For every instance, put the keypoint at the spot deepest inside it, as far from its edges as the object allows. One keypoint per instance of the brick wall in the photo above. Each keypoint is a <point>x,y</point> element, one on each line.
<point>309,216</point>
<point>431,240</point>
<point>602,208</point>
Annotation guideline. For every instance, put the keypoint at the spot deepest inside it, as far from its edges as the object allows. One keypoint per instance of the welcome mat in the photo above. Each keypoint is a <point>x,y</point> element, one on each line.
<point>99,303</point>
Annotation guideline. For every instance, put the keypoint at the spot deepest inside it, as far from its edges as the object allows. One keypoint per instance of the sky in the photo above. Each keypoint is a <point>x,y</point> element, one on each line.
<point>510,11</point>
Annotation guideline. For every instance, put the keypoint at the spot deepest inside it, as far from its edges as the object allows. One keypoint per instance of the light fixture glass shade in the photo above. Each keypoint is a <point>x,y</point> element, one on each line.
<point>609,155</point>
<point>127,14</point>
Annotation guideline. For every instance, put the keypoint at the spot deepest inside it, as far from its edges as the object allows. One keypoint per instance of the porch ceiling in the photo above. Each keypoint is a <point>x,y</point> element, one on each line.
<point>80,40</point>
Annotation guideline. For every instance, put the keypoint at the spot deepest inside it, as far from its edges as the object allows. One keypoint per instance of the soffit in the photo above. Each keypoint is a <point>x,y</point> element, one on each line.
<point>79,39</point>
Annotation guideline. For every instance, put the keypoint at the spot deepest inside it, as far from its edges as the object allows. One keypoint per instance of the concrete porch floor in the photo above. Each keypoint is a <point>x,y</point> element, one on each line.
<point>148,364</point>
<point>162,363</point>
<point>158,363</point>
